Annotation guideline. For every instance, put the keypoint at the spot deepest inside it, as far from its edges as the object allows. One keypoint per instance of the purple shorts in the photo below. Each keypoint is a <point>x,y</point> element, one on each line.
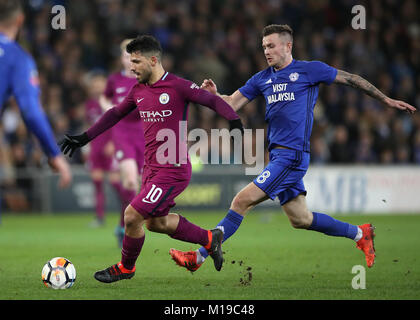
<point>160,187</point>
<point>98,159</point>
<point>127,147</point>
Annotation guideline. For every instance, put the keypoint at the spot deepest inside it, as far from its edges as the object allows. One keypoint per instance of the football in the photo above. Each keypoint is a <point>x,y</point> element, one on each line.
<point>58,273</point>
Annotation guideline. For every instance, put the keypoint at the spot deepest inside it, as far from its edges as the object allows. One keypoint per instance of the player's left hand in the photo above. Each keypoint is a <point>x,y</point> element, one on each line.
<point>236,124</point>
<point>401,105</point>
<point>72,143</point>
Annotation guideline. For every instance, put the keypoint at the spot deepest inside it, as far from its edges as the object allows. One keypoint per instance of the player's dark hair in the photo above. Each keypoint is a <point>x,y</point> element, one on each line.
<point>8,8</point>
<point>278,28</point>
<point>145,44</point>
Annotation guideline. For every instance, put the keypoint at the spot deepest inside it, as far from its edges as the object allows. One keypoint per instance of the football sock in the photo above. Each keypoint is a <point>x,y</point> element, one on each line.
<point>332,227</point>
<point>126,196</point>
<point>359,234</point>
<point>100,199</point>
<point>131,250</point>
<point>189,232</point>
<point>228,225</point>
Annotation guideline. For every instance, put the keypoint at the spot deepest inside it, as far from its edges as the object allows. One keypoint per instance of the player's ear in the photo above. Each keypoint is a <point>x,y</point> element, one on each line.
<point>154,60</point>
<point>20,19</point>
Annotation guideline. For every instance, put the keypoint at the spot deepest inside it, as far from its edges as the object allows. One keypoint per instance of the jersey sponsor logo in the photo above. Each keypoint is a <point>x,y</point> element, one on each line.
<point>164,98</point>
<point>269,81</point>
<point>294,76</point>
<point>285,96</point>
<point>155,116</point>
<point>120,90</point>
<point>280,94</point>
<point>139,100</point>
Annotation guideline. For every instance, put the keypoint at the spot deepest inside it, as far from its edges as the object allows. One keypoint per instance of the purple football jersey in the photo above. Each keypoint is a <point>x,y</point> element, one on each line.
<point>127,134</point>
<point>117,87</point>
<point>163,109</point>
<point>93,113</point>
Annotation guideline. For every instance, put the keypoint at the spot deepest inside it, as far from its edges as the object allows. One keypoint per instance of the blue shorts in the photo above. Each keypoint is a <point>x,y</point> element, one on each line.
<point>283,175</point>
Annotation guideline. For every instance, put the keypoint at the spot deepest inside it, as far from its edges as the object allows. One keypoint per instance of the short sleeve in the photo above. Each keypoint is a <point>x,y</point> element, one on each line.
<point>320,72</point>
<point>250,90</point>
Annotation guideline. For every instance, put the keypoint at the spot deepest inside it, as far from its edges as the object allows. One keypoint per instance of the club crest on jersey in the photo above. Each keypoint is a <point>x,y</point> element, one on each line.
<point>164,98</point>
<point>294,76</point>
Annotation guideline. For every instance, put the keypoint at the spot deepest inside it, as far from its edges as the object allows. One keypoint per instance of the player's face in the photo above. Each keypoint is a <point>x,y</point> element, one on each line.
<point>277,49</point>
<point>141,67</point>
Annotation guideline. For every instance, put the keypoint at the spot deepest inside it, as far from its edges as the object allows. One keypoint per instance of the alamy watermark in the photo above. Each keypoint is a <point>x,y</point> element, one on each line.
<point>359,20</point>
<point>58,21</point>
<point>359,280</point>
<point>215,148</point>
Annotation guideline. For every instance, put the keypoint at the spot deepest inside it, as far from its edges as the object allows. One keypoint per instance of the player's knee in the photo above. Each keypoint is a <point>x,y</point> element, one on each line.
<point>131,217</point>
<point>300,222</point>
<point>240,203</point>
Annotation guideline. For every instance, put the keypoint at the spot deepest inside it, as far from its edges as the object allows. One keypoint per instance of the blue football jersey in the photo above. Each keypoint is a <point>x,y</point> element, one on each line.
<point>19,78</point>
<point>290,95</point>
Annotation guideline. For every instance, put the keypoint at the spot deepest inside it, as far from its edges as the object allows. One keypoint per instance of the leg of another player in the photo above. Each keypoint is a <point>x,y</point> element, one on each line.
<point>133,238</point>
<point>129,178</point>
<point>115,180</point>
<point>132,245</point>
<point>178,227</point>
<point>242,203</point>
<point>97,176</point>
<point>301,218</point>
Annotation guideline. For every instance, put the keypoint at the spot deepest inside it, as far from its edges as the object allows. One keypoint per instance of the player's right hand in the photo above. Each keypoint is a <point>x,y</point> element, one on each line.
<point>236,124</point>
<point>209,86</point>
<point>60,165</point>
<point>72,143</point>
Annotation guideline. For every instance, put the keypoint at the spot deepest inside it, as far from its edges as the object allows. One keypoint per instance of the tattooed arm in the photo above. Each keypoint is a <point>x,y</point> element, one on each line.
<point>356,81</point>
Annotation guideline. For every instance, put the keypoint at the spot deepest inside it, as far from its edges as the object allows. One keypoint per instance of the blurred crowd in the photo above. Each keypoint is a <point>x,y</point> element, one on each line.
<point>221,40</point>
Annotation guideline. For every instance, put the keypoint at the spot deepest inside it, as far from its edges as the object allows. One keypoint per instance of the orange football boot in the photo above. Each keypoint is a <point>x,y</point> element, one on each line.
<point>186,259</point>
<point>366,243</point>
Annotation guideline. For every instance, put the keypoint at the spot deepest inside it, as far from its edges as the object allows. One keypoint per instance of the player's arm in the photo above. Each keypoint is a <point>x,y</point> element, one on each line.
<point>105,103</point>
<point>195,94</point>
<point>236,100</point>
<point>356,81</point>
<point>71,143</point>
<point>106,98</point>
<point>25,89</point>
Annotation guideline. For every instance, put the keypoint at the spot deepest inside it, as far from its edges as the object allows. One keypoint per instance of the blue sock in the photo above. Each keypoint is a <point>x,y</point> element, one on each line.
<point>229,225</point>
<point>332,227</point>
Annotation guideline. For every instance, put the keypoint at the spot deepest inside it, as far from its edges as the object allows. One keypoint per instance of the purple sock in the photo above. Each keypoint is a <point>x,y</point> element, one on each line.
<point>130,251</point>
<point>100,199</point>
<point>189,232</point>
<point>125,196</point>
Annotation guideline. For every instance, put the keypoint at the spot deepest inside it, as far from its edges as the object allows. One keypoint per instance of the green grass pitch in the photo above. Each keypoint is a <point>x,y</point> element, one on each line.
<point>265,260</point>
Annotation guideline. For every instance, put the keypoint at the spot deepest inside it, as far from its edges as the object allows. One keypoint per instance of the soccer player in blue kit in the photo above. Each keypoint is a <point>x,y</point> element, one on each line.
<point>290,88</point>
<point>19,78</point>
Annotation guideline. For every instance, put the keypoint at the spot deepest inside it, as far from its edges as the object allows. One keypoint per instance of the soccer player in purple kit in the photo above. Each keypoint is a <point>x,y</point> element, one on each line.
<point>100,160</point>
<point>126,135</point>
<point>162,100</point>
